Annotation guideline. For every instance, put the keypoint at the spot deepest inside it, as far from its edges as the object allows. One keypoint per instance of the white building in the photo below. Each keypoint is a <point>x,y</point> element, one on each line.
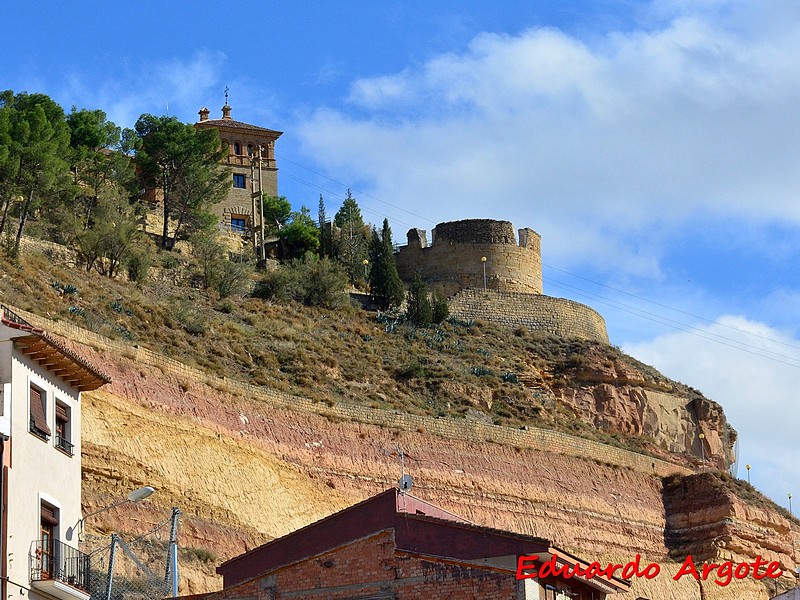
<point>40,451</point>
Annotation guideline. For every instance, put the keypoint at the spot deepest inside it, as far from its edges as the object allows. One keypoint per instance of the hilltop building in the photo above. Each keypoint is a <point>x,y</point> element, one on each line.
<point>396,546</point>
<point>251,156</point>
<point>41,381</point>
<point>488,275</point>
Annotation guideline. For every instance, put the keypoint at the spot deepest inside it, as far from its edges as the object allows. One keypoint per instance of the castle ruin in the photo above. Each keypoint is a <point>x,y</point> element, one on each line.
<point>488,274</point>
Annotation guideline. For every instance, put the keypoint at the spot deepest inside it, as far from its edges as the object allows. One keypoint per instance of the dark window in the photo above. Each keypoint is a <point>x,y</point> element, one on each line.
<point>238,181</point>
<point>238,224</point>
<point>38,412</point>
<point>237,148</point>
<point>249,149</point>
<point>62,429</point>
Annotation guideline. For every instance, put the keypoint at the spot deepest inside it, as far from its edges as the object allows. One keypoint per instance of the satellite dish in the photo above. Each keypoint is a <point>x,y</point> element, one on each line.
<point>405,483</point>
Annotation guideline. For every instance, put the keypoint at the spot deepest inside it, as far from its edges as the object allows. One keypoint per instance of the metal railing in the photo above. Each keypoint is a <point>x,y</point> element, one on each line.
<point>64,445</point>
<point>10,315</point>
<point>53,560</point>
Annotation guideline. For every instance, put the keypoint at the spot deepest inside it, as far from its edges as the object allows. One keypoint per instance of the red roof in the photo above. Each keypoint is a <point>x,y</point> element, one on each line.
<point>420,528</point>
<point>41,347</point>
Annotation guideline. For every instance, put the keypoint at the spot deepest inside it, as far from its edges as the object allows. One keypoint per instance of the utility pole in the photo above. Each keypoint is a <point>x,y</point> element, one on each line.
<point>172,557</point>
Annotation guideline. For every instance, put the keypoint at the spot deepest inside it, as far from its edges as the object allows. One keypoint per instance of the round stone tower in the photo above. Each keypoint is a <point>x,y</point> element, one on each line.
<point>461,252</point>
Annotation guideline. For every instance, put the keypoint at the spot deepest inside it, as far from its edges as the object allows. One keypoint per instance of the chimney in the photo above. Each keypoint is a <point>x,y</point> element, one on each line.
<point>226,111</point>
<point>203,112</point>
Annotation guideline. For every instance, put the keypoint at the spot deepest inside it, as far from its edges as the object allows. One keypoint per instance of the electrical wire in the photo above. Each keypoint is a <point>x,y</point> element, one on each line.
<point>642,314</point>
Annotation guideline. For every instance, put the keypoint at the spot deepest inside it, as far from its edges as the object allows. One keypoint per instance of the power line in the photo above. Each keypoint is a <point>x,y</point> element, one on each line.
<point>677,310</point>
<point>358,192</point>
<point>653,317</point>
<point>719,339</point>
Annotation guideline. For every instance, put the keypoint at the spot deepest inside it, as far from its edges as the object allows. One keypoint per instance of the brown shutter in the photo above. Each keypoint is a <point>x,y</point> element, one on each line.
<point>61,413</point>
<point>49,515</point>
<point>37,412</point>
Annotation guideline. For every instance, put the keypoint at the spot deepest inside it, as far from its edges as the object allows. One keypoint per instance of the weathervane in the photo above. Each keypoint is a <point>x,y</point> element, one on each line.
<point>226,95</point>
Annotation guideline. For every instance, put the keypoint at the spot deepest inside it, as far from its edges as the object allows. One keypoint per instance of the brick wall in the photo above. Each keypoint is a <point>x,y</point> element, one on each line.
<point>538,439</point>
<point>370,568</point>
<point>558,316</point>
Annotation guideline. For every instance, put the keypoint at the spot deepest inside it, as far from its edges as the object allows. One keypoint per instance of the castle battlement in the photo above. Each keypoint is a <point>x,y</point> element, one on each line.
<point>454,263</point>
<point>453,259</point>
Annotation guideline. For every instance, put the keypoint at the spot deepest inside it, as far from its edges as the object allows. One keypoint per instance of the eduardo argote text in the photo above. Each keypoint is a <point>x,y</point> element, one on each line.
<point>721,574</point>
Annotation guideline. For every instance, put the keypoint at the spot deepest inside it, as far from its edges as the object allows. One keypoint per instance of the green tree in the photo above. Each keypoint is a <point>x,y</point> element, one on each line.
<point>441,309</point>
<point>184,163</point>
<point>215,271</point>
<point>300,235</point>
<point>35,138</point>
<point>419,310</point>
<point>352,243</point>
<point>312,281</point>
<point>385,285</point>
<point>96,169</point>
<point>277,212</point>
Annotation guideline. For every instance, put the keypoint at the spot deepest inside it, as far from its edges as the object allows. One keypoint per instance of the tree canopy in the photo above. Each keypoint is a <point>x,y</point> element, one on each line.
<point>183,162</point>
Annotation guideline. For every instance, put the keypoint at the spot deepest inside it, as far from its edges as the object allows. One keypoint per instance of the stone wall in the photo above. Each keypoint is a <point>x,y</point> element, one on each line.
<point>558,316</point>
<point>452,261</point>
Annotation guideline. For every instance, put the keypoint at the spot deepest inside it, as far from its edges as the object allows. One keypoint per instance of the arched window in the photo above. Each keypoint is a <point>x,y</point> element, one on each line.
<point>263,150</point>
<point>237,148</point>
<point>249,149</point>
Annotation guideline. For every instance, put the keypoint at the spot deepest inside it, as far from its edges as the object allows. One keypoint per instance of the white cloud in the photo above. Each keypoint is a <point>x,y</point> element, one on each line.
<point>592,138</point>
<point>752,370</point>
<point>176,85</point>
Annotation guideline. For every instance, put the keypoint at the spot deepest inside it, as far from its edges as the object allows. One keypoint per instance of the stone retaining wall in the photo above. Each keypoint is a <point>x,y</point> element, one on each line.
<point>540,439</point>
<point>558,316</point>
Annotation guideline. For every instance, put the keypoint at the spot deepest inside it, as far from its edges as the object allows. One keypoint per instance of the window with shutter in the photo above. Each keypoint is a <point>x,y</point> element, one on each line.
<point>38,412</point>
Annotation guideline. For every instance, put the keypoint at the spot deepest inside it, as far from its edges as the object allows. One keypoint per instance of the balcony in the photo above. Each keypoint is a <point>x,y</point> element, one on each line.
<point>64,445</point>
<point>59,570</point>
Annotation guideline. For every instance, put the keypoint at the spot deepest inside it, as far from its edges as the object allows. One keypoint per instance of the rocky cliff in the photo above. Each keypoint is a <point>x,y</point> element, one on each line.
<point>244,470</point>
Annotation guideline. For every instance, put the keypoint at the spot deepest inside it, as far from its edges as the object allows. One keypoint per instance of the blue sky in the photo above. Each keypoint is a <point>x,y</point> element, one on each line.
<point>653,145</point>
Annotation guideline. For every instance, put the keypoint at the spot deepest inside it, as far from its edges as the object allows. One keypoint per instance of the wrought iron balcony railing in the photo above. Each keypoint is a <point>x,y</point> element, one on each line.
<point>64,445</point>
<point>53,560</point>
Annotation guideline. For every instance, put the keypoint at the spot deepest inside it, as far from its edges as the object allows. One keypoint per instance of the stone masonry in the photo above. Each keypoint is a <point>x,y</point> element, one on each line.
<point>453,261</point>
<point>487,275</point>
<point>558,316</point>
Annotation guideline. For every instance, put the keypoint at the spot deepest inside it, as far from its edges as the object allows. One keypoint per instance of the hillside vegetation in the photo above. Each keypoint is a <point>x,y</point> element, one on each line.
<point>476,370</point>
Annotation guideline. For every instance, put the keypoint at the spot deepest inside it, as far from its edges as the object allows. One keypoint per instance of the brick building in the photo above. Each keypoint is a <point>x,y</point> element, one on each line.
<point>245,142</point>
<point>396,546</point>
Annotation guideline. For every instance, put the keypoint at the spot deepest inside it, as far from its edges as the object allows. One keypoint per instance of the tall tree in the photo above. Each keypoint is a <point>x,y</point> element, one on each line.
<point>419,309</point>
<point>36,138</point>
<point>386,288</point>
<point>323,235</point>
<point>277,212</point>
<point>96,168</point>
<point>300,235</point>
<point>351,245</point>
<point>184,163</point>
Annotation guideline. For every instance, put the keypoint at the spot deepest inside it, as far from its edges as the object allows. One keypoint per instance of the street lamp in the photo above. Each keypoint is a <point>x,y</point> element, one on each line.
<point>483,260</point>
<point>702,436</point>
<point>135,496</point>
<point>365,262</point>
<point>748,473</point>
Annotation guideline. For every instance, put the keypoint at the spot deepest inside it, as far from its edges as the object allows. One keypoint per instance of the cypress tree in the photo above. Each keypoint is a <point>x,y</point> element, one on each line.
<point>385,285</point>
<point>419,310</point>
